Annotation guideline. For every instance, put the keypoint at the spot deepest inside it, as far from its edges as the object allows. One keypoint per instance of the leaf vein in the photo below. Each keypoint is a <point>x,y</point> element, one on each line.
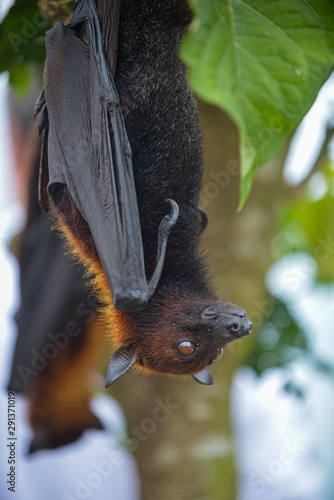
<point>269,21</point>
<point>271,76</point>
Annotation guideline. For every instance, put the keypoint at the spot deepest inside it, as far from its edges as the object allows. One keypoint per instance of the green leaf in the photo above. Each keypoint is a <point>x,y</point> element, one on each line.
<point>308,227</point>
<point>263,62</point>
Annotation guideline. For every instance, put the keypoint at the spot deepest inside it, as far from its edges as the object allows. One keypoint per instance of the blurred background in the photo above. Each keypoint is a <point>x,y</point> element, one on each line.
<point>264,429</point>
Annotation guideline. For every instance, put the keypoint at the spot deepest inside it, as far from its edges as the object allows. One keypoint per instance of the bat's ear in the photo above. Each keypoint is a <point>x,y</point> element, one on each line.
<point>121,361</point>
<point>204,377</point>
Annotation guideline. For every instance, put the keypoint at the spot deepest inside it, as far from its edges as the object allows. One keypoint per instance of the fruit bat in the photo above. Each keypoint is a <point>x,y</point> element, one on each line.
<point>121,172</point>
<point>59,342</point>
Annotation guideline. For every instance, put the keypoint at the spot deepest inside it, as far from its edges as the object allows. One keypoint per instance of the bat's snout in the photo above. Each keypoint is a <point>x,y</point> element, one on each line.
<point>239,327</point>
<point>227,320</point>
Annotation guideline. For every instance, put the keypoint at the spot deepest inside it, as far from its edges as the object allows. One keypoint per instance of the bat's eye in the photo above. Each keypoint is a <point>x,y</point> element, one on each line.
<point>185,348</point>
<point>219,353</point>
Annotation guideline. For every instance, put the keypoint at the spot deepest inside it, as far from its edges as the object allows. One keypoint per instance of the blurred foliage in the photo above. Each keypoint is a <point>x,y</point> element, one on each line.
<point>22,43</point>
<point>307,225</point>
<point>262,62</point>
<point>279,340</point>
<point>56,10</point>
<point>22,38</point>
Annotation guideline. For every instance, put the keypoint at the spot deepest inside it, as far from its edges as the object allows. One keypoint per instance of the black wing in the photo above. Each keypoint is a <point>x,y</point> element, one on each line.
<point>88,150</point>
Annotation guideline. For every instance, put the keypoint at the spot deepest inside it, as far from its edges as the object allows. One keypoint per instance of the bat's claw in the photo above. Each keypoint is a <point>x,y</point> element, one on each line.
<point>166,225</point>
<point>173,216</point>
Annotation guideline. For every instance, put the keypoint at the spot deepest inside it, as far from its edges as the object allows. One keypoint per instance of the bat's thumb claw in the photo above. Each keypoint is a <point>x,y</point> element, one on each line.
<point>174,215</point>
<point>164,229</point>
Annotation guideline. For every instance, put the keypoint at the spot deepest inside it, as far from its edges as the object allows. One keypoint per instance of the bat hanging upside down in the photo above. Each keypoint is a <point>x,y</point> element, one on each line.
<point>121,172</point>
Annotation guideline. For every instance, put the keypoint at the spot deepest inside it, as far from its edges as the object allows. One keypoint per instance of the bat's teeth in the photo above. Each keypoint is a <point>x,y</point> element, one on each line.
<point>219,353</point>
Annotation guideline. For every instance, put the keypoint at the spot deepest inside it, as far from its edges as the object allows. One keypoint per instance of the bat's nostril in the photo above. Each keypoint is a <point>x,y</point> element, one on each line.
<point>233,326</point>
<point>239,327</point>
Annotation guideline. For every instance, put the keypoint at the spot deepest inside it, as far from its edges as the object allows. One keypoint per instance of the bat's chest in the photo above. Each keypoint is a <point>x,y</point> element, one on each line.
<point>165,138</point>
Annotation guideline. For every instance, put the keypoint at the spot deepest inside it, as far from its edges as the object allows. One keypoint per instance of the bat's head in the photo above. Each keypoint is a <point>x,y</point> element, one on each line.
<point>181,337</point>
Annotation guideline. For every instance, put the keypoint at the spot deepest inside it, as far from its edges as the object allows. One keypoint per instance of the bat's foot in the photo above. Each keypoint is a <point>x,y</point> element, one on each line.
<point>169,221</point>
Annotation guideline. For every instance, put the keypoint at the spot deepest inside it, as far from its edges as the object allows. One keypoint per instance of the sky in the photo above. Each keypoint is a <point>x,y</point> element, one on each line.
<point>307,141</point>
